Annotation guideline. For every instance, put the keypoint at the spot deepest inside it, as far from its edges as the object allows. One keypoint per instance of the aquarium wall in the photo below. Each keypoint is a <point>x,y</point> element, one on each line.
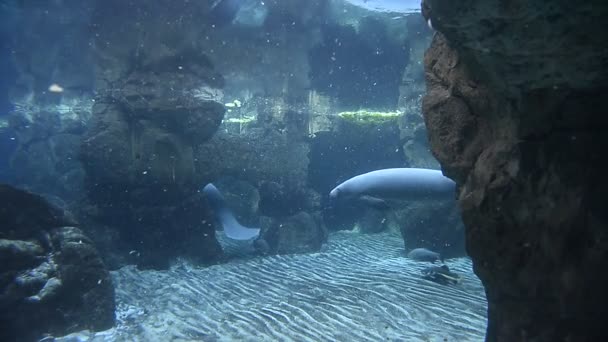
<point>115,117</point>
<point>177,170</point>
<point>123,116</point>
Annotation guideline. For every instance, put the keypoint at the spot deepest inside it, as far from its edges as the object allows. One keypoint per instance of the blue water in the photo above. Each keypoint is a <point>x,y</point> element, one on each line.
<point>7,138</point>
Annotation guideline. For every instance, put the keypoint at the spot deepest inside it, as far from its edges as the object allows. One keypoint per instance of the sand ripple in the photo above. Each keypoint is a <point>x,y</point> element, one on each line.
<point>359,288</point>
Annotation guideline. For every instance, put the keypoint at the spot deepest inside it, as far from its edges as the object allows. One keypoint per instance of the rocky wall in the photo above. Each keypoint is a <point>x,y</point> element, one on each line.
<point>515,116</point>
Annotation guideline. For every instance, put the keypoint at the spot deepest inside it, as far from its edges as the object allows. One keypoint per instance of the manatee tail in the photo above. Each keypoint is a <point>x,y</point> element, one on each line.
<point>232,228</point>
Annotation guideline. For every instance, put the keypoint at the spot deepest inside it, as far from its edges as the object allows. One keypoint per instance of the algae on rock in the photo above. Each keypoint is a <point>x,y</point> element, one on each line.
<point>369,117</point>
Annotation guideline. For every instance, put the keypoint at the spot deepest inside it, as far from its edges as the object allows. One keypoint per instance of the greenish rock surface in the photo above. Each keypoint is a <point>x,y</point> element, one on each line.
<point>368,117</point>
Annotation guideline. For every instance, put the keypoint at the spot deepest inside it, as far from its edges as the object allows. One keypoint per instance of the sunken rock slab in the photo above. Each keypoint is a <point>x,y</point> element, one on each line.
<point>526,153</point>
<point>52,279</point>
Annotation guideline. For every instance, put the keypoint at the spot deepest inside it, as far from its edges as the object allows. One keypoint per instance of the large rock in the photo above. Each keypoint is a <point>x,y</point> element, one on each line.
<point>52,278</point>
<point>411,124</point>
<point>158,97</point>
<point>278,200</point>
<point>515,112</point>
<point>299,233</point>
<point>414,137</point>
<point>143,136</point>
<point>436,225</point>
<point>261,154</point>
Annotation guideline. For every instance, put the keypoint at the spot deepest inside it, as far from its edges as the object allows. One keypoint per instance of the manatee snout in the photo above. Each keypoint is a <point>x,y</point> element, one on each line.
<point>334,194</point>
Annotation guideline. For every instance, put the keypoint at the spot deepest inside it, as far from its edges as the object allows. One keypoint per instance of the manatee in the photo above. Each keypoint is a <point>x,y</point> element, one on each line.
<point>232,228</point>
<point>397,183</point>
<point>423,254</point>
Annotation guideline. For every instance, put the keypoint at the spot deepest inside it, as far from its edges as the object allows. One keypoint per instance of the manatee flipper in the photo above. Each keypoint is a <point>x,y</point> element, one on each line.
<point>232,228</point>
<point>374,202</point>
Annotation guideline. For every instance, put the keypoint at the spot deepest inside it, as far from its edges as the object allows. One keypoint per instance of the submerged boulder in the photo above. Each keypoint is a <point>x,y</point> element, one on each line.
<point>299,233</point>
<point>435,225</point>
<point>52,279</point>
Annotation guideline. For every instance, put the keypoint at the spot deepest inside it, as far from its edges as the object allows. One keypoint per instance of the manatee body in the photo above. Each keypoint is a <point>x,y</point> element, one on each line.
<point>423,254</point>
<point>232,228</point>
<point>397,183</point>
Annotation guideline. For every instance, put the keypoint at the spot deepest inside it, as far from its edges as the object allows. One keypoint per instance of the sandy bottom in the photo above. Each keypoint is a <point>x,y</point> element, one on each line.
<point>359,288</point>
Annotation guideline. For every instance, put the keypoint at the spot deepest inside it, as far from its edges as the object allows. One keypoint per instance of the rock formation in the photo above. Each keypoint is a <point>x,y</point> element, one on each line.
<point>299,233</point>
<point>411,124</point>
<point>139,150</point>
<point>435,225</point>
<point>52,279</point>
<point>515,114</point>
<point>158,96</point>
<point>258,155</point>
